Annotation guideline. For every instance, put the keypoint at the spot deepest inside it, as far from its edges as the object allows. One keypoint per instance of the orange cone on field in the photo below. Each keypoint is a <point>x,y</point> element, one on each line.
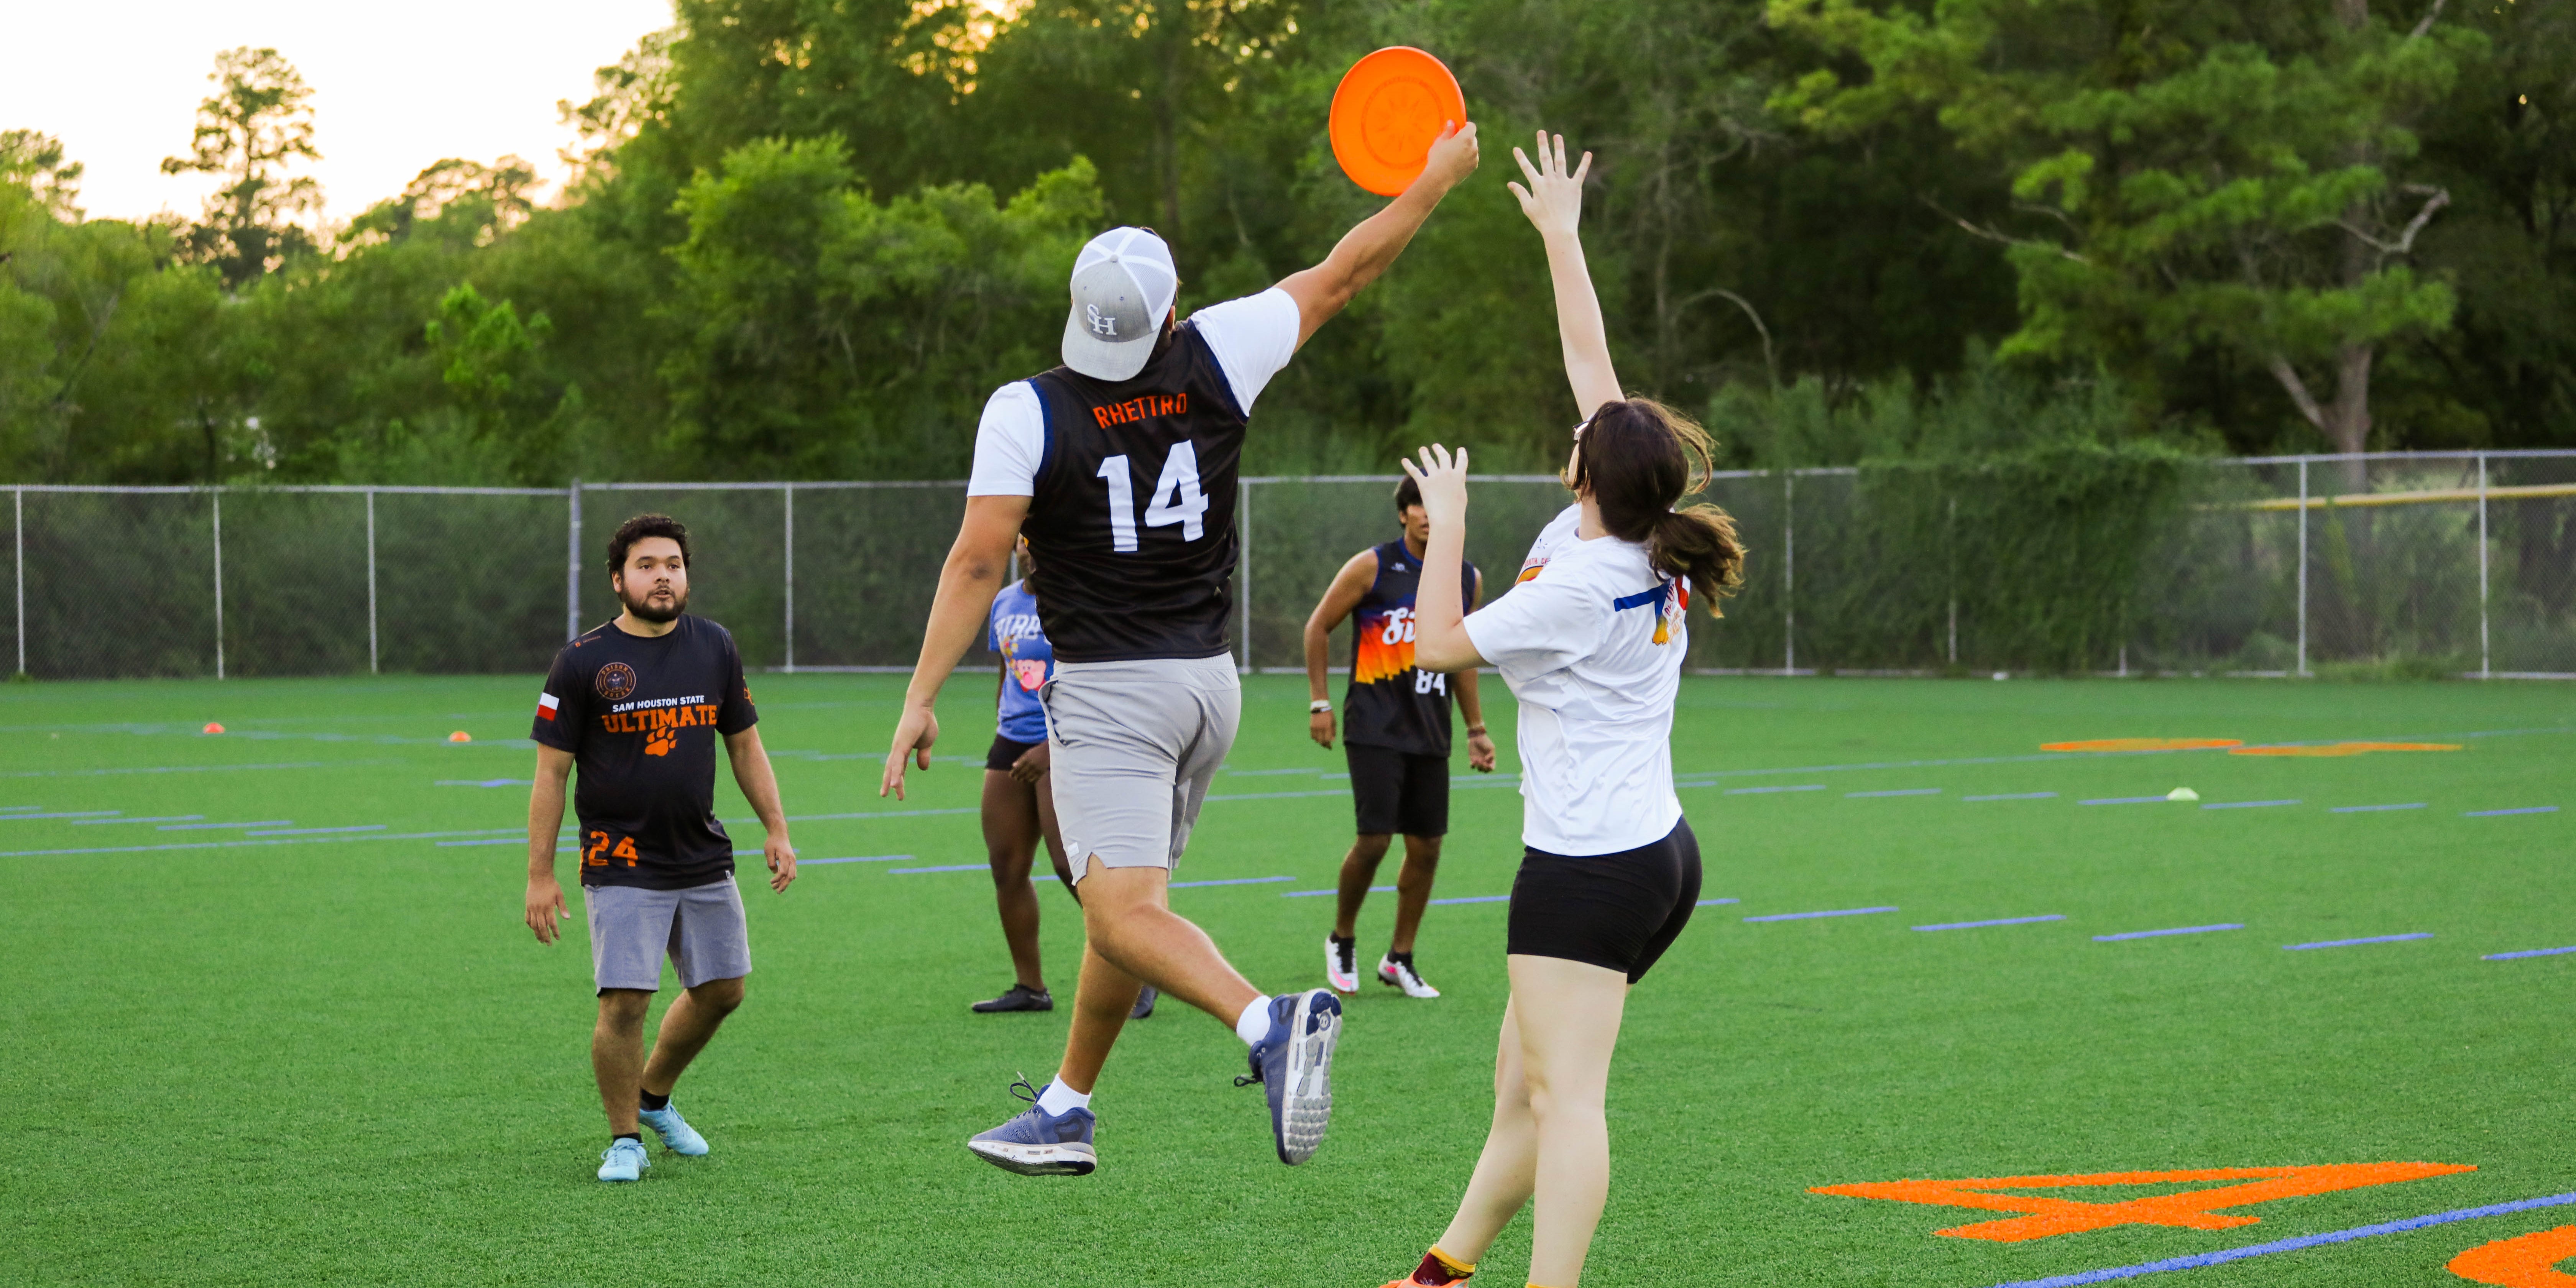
<point>460,736</point>
<point>212,727</point>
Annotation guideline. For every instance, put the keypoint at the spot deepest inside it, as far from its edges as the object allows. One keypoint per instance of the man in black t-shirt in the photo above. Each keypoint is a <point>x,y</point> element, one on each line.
<point>1121,467</point>
<point>637,705</point>
<point>1396,740</point>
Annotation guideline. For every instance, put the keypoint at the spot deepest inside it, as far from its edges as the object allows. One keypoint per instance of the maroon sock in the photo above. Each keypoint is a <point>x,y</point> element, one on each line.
<point>1434,1272</point>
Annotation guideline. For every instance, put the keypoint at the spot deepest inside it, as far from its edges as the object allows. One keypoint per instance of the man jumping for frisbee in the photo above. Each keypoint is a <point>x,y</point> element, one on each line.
<point>1120,466</point>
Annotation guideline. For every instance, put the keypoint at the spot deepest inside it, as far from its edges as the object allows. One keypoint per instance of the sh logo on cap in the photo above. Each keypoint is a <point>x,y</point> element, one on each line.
<point>1123,284</point>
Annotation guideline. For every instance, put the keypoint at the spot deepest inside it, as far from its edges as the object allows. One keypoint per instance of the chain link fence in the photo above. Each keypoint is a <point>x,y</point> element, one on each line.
<point>2427,563</point>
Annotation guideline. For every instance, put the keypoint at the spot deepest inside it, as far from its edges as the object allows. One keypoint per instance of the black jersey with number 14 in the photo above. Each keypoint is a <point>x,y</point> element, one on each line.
<point>1132,517</point>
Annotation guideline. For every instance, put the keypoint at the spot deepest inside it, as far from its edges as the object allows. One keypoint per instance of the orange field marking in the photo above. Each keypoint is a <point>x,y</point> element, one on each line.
<point>2345,749</point>
<point>2190,1209</point>
<point>2527,1262</point>
<point>2143,744</point>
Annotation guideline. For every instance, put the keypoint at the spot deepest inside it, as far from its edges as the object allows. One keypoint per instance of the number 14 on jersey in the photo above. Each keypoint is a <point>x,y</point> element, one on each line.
<point>1176,498</point>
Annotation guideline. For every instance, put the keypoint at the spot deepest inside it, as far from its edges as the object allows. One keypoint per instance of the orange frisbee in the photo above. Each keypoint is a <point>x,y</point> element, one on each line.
<point>1387,112</point>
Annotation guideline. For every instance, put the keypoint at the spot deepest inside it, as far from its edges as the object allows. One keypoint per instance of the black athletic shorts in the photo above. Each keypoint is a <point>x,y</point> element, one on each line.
<point>1396,793</point>
<point>1005,753</point>
<point>1617,911</point>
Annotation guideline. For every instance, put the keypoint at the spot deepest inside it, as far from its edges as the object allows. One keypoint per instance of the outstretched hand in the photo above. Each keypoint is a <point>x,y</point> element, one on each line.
<point>1453,156</point>
<point>1443,480</point>
<point>1554,198</point>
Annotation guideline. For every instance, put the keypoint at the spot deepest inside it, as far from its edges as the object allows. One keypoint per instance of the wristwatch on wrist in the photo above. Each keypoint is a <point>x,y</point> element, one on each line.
<point>1320,706</point>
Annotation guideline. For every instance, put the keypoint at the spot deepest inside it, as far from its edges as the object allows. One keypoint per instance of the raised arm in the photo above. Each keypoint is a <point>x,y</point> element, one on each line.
<point>1339,599</point>
<point>1366,250</point>
<point>1554,203</point>
<point>977,564</point>
<point>1440,641</point>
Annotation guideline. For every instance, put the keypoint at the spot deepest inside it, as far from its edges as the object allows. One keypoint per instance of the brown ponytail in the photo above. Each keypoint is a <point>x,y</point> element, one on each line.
<point>1639,457</point>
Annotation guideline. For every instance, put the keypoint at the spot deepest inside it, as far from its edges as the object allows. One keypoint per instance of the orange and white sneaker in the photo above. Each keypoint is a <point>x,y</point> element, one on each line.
<point>1342,964</point>
<point>1435,1271</point>
<point>1398,972</point>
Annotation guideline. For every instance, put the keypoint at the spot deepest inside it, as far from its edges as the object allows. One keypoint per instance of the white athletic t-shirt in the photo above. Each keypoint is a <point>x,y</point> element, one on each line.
<point>1252,338</point>
<point>1591,643</point>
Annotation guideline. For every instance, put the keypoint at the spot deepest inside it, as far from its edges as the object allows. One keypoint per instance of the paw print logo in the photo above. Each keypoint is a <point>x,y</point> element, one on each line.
<point>661,742</point>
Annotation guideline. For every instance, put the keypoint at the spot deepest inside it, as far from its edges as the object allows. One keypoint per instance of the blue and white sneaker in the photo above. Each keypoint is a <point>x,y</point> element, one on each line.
<point>676,1133</point>
<point>1294,1065</point>
<point>1038,1143</point>
<point>623,1160</point>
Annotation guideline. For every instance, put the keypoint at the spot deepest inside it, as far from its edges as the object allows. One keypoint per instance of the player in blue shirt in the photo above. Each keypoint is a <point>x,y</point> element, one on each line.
<point>1019,802</point>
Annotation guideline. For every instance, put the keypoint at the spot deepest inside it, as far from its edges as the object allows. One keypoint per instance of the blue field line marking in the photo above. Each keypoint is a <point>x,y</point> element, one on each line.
<point>1270,773</point>
<point>1273,796</point>
<point>2499,813</point>
<point>225,827</point>
<point>520,839</point>
<point>1711,903</point>
<point>2527,952</point>
<point>12,809</point>
<point>1184,885</point>
<point>1309,894</point>
<point>2246,804</point>
<point>805,862</point>
<point>1902,791</point>
<point>2372,809</point>
<point>155,818</point>
<point>2198,1260</point>
<point>2366,939</point>
<point>75,813</point>
<point>870,813</point>
<point>945,867</point>
<point>180,769</point>
<point>1477,898</point>
<point>2126,800</point>
<point>2014,796</point>
<point>1999,921</point>
<point>485,782</point>
<point>316,831</point>
<point>1758,791</point>
<point>2158,934</point>
<point>1836,912</point>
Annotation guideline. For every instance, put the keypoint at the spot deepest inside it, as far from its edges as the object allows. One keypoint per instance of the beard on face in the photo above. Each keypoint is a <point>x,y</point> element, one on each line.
<point>646,610</point>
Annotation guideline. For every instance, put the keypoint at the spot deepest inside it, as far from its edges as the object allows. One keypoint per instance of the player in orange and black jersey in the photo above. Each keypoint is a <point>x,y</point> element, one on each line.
<point>637,705</point>
<point>1396,739</point>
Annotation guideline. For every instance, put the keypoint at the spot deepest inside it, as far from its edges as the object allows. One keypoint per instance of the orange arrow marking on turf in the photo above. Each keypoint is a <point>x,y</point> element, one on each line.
<point>2527,1262</point>
<point>2190,1209</point>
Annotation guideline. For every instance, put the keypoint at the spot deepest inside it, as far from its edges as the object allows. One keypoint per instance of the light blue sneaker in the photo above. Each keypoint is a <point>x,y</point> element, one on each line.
<point>1038,1143</point>
<point>1294,1065</point>
<point>676,1133</point>
<point>623,1160</point>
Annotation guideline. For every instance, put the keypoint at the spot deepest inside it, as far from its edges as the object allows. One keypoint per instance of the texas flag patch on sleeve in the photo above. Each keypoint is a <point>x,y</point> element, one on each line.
<point>546,704</point>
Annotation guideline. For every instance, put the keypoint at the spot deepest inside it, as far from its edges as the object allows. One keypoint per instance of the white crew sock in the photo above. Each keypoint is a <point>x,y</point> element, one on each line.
<point>1059,1099</point>
<point>1254,1024</point>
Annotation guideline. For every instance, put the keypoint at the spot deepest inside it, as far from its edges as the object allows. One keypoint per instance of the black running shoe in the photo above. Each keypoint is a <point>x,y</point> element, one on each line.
<point>1020,998</point>
<point>1144,1008</point>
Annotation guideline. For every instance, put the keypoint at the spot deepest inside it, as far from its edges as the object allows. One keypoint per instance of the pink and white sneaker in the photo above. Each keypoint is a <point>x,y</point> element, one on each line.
<point>1342,964</point>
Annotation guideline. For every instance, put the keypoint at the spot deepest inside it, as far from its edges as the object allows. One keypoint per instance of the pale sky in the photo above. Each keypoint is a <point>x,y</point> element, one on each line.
<point>396,87</point>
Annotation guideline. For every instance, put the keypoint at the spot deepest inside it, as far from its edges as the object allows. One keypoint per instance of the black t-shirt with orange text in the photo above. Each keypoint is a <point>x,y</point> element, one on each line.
<point>640,717</point>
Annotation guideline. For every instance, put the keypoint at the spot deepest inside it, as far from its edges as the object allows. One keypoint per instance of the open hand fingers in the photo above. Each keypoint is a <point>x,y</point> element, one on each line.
<point>1583,169</point>
<point>1531,171</point>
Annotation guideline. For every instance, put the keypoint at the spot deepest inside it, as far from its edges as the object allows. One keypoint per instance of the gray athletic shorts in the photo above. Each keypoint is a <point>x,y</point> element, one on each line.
<point>632,929</point>
<point>1133,746</point>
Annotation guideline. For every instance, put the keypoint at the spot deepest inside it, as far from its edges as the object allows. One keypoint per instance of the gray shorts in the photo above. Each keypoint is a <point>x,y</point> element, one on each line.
<point>632,929</point>
<point>1133,747</point>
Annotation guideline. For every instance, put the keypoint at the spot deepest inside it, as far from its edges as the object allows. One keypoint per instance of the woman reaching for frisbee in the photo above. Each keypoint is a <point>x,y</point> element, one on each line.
<point>1591,643</point>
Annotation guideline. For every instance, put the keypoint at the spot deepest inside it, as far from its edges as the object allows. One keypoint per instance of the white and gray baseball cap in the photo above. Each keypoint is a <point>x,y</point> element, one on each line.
<point>1123,284</point>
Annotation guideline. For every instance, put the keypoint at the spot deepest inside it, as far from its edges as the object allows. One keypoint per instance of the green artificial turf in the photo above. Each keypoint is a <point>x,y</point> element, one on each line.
<point>344,1061</point>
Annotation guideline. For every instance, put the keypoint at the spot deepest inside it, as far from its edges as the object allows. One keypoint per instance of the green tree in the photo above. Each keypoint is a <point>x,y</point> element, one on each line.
<point>2184,173</point>
<point>829,333</point>
<point>35,162</point>
<point>255,126</point>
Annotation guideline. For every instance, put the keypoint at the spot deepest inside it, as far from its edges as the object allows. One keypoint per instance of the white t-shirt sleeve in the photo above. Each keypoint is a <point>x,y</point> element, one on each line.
<point>1547,622</point>
<point>1252,338</point>
<point>1010,443</point>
